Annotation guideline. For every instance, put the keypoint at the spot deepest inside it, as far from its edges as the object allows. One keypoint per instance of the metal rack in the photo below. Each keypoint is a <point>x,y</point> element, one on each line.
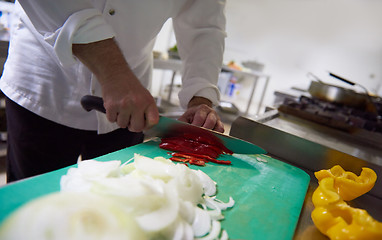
<point>175,65</point>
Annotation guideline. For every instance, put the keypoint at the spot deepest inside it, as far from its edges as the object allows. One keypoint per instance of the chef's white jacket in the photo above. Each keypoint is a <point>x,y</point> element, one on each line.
<point>42,75</point>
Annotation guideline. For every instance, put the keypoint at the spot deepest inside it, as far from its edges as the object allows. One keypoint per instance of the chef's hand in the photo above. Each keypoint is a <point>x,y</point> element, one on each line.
<point>200,113</point>
<point>127,102</point>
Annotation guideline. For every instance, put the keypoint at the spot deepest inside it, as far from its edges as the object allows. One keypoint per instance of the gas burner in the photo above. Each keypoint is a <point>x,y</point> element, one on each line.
<point>334,115</point>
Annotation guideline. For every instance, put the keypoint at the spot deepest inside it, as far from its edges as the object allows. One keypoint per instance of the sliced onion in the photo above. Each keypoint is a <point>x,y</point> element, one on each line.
<point>80,179</point>
<point>214,203</point>
<point>154,197</point>
<point>202,222</point>
<point>76,216</point>
<point>188,184</point>
<point>209,185</point>
<point>187,211</point>
<point>214,233</point>
<point>182,231</point>
<point>224,235</point>
<point>158,167</point>
<point>162,217</point>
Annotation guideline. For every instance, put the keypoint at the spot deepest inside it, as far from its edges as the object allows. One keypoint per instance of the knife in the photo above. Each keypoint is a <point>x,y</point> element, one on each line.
<point>168,127</point>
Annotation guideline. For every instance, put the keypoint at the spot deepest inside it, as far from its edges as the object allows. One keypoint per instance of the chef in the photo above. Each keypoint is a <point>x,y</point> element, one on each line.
<point>62,50</point>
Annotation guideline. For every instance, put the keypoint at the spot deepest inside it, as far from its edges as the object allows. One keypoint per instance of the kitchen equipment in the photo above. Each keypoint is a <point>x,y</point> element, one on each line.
<point>358,124</point>
<point>168,127</point>
<point>336,94</point>
<point>268,193</point>
<point>339,95</point>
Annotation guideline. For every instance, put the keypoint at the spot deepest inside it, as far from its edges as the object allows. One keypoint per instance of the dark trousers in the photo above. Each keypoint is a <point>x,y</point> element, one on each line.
<point>37,145</point>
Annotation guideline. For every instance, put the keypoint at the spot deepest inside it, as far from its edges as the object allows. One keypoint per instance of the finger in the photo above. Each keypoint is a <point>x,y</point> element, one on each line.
<point>137,121</point>
<point>123,119</point>
<point>219,127</point>
<point>186,117</point>
<point>151,116</point>
<point>213,122</point>
<point>199,117</point>
<point>111,114</point>
<point>210,121</point>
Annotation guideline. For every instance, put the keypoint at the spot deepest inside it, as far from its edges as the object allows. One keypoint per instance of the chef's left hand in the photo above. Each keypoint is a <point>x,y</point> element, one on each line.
<point>200,113</point>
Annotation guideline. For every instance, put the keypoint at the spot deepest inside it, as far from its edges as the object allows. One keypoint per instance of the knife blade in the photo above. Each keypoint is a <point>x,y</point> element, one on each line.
<point>168,127</point>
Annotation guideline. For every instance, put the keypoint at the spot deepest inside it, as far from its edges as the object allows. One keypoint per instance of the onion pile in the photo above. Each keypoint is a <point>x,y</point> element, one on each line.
<point>146,199</point>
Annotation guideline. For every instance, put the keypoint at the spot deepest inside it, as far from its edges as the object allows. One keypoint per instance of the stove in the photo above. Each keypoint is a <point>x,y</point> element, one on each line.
<point>360,124</point>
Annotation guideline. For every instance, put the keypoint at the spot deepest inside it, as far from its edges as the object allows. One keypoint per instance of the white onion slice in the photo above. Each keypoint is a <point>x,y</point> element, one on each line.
<point>188,184</point>
<point>224,235</point>
<point>214,233</point>
<point>214,203</point>
<point>209,185</point>
<point>56,217</point>
<point>183,231</point>
<point>161,218</point>
<point>202,223</point>
<point>158,167</point>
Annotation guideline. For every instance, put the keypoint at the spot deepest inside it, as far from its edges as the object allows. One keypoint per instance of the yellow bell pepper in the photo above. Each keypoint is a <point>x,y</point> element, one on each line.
<point>347,184</point>
<point>333,216</point>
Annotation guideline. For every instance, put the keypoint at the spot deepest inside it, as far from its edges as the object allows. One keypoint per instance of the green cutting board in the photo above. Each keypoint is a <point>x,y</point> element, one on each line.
<point>268,193</point>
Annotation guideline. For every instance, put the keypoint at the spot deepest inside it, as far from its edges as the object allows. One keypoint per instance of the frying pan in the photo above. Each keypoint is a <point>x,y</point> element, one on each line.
<point>335,94</point>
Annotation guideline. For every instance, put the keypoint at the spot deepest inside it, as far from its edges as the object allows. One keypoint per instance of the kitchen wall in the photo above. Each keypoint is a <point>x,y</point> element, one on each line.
<point>294,37</point>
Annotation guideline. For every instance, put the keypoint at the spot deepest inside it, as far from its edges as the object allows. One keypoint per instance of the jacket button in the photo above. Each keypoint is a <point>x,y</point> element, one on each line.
<point>112,12</point>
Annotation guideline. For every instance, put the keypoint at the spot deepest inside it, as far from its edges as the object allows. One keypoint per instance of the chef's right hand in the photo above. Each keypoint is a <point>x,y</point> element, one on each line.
<point>128,103</point>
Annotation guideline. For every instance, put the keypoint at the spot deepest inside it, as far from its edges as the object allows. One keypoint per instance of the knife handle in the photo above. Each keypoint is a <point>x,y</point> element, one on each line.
<point>89,103</point>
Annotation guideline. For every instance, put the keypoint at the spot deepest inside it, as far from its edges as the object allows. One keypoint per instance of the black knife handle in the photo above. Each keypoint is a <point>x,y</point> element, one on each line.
<point>89,103</point>
<point>342,79</point>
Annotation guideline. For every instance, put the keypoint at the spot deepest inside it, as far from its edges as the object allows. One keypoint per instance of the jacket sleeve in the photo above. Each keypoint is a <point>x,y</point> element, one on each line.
<point>64,22</point>
<point>200,33</point>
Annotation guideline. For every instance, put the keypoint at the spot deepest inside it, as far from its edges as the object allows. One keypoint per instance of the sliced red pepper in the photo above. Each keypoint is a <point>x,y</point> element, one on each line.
<point>195,149</point>
<point>177,159</point>
<point>226,162</point>
<point>204,158</point>
<point>186,145</point>
<point>208,139</point>
<point>182,155</point>
<point>196,161</point>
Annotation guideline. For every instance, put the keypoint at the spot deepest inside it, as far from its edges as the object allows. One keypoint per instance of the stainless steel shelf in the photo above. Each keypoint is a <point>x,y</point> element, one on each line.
<point>176,66</point>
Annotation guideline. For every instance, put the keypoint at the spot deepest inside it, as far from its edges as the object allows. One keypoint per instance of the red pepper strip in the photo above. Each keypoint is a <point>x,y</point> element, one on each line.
<point>183,155</point>
<point>221,161</point>
<point>206,157</point>
<point>197,161</point>
<point>190,156</point>
<point>201,157</point>
<point>191,159</point>
<point>177,159</point>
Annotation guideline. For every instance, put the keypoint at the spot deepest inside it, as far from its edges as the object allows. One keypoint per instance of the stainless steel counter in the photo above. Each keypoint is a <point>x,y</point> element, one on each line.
<point>313,147</point>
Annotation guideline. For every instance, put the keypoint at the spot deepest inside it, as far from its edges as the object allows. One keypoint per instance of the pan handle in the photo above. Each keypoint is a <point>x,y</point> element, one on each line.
<point>370,105</point>
<point>89,103</point>
<point>342,79</point>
